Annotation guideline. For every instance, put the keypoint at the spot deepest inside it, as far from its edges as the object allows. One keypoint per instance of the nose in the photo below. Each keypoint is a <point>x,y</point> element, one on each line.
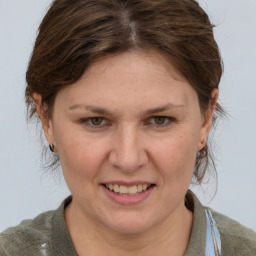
<point>127,152</point>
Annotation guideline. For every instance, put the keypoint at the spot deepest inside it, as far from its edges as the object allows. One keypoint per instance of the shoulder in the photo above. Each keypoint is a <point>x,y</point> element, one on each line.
<point>235,238</point>
<point>29,236</point>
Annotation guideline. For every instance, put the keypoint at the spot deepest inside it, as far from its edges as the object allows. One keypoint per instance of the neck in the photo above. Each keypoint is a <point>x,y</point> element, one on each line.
<point>170,237</point>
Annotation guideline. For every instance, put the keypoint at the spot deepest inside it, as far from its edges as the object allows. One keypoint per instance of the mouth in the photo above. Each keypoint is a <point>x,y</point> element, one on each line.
<point>128,190</point>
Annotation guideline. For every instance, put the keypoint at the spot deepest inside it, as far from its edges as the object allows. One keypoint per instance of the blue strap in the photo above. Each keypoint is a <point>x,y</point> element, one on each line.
<point>213,242</point>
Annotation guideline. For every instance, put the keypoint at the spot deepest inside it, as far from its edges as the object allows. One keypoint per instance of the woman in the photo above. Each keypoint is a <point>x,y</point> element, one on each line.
<point>126,92</point>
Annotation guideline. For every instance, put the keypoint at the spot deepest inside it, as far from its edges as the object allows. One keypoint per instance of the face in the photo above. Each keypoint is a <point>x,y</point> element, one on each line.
<point>127,134</point>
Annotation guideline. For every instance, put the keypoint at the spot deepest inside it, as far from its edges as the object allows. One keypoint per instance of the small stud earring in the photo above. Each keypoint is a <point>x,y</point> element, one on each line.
<point>51,147</point>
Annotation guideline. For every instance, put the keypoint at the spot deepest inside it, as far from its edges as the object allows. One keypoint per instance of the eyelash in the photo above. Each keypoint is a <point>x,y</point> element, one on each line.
<point>88,121</point>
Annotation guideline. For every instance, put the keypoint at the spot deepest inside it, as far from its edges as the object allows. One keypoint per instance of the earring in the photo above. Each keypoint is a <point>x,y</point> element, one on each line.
<point>51,147</point>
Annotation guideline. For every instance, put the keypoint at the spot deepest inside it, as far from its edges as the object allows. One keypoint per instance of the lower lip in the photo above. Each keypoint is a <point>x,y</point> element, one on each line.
<point>128,199</point>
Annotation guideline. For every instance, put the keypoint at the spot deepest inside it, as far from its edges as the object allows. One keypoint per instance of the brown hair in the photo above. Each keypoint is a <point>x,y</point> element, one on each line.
<point>74,34</point>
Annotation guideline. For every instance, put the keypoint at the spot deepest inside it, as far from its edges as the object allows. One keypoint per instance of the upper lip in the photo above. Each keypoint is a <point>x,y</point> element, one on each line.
<point>124,183</point>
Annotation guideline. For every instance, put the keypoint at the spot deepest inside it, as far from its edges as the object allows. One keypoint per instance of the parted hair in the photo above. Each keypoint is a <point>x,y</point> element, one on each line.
<point>76,33</point>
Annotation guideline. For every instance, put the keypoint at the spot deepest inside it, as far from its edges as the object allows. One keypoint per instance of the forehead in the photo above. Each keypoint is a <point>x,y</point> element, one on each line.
<point>134,61</point>
<point>139,79</point>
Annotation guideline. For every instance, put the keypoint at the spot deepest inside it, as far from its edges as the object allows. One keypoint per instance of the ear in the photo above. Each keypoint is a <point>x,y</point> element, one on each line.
<point>46,123</point>
<point>207,120</point>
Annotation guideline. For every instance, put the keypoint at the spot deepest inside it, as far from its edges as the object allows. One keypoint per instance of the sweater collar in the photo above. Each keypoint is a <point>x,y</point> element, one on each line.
<point>61,240</point>
<point>197,241</point>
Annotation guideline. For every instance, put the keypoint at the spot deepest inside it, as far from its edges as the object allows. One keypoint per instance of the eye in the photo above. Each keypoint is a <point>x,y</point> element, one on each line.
<point>160,120</point>
<point>94,122</point>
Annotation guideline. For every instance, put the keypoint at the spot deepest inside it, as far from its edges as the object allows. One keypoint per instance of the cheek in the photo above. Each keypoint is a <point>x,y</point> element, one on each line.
<point>176,157</point>
<point>174,160</point>
<point>80,156</point>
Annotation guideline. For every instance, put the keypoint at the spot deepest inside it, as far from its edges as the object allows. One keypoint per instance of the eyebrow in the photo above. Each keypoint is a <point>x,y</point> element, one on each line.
<point>103,111</point>
<point>161,109</point>
<point>93,109</point>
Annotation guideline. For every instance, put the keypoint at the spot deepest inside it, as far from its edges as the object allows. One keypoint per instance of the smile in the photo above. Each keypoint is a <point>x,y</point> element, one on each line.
<point>128,190</point>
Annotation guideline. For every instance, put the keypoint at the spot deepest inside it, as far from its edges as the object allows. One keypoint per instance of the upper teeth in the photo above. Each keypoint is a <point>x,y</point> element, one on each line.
<point>127,189</point>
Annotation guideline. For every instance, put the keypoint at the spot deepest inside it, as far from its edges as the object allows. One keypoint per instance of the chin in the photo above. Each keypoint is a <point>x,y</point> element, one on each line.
<point>130,224</point>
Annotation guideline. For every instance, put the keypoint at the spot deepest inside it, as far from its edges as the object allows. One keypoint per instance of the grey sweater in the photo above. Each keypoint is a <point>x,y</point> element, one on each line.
<point>47,234</point>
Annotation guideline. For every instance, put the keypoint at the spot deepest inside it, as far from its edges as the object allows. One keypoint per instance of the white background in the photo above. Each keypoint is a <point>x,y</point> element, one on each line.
<point>25,188</point>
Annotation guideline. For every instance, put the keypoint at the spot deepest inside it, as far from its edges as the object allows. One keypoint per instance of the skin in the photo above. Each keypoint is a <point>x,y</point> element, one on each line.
<point>128,145</point>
